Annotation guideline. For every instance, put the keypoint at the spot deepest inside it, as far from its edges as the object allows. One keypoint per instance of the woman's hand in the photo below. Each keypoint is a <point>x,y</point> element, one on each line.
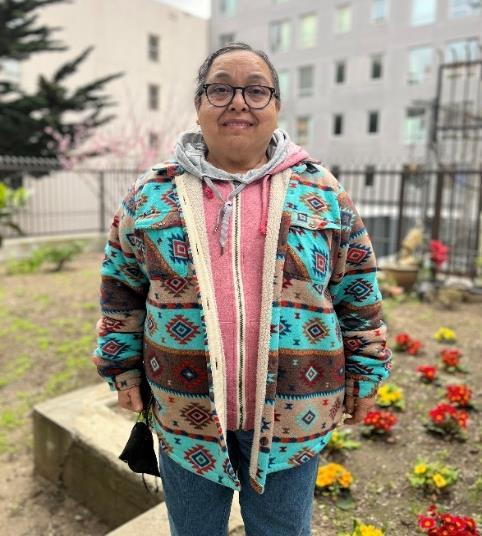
<point>130,399</point>
<point>358,408</point>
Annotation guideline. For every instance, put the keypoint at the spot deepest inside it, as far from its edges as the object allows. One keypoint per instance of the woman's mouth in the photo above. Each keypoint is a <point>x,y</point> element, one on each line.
<point>237,124</point>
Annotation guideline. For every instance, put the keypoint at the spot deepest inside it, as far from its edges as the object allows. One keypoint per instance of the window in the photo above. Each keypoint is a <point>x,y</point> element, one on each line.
<point>369,175</point>
<point>414,127</point>
<point>153,47</point>
<point>337,125</point>
<point>305,80</point>
<point>304,127</point>
<point>153,97</point>
<point>340,72</point>
<point>463,50</point>
<point>379,10</point>
<point>423,12</point>
<point>228,7</point>
<point>376,71</point>
<point>153,140</point>
<point>280,36</point>
<point>420,62</point>
<point>464,8</point>
<point>308,27</point>
<point>343,19</point>
<point>225,39</point>
<point>373,122</point>
<point>284,83</point>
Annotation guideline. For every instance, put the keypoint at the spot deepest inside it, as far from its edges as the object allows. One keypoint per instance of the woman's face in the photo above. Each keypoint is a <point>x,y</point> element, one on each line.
<point>236,129</point>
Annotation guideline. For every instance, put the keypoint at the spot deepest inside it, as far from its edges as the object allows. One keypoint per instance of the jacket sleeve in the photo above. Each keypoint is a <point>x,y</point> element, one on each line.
<point>358,305</point>
<point>123,292</point>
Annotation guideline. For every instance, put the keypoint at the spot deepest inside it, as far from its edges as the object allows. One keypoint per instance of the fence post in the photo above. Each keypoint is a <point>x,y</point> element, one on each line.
<point>437,214</point>
<point>478,231</point>
<point>102,202</point>
<point>401,204</point>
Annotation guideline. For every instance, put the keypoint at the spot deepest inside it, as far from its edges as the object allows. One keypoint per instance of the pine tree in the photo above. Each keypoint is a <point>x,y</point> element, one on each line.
<point>31,124</point>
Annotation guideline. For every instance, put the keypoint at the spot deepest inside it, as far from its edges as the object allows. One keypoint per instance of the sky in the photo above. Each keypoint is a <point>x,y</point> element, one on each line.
<point>200,8</point>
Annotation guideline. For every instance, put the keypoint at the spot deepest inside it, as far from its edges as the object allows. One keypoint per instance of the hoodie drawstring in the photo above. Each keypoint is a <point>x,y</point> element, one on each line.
<point>263,224</point>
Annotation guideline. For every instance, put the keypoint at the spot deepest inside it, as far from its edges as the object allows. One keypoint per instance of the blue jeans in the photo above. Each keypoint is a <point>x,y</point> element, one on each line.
<point>200,507</point>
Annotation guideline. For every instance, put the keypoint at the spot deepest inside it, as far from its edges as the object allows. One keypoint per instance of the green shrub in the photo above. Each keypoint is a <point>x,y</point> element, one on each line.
<point>54,255</point>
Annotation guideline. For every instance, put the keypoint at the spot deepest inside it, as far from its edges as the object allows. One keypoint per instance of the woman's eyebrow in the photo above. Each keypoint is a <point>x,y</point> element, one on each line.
<point>224,75</point>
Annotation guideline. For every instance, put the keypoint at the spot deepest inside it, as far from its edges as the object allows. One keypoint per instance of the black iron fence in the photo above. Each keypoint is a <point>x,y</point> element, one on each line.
<point>447,203</point>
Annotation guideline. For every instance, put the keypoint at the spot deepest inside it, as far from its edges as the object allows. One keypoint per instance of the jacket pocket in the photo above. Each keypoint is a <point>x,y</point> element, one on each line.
<point>165,251</point>
<point>311,244</point>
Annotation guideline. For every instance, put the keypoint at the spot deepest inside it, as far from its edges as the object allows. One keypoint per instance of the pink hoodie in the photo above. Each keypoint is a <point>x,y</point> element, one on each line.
<point>250,222</point>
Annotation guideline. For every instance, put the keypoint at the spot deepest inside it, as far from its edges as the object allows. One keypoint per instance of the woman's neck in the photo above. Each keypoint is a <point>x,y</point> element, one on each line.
<point>234,165</point>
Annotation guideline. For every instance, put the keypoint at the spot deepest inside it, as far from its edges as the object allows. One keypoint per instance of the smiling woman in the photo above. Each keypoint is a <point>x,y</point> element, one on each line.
<point>240,281</point>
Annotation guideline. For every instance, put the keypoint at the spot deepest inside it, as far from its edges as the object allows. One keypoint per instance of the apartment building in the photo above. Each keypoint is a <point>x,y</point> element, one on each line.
<point>158,48</point>
<point>357,76</point>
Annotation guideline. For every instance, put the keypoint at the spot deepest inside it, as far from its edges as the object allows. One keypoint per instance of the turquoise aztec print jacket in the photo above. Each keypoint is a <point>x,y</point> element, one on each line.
<point>321,328</point>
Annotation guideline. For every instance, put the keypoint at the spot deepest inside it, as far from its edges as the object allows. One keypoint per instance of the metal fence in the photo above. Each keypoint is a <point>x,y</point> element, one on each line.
<point>447,203</point>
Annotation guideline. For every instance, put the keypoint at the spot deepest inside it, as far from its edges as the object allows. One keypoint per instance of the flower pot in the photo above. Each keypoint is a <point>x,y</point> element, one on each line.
<point>404,276</point>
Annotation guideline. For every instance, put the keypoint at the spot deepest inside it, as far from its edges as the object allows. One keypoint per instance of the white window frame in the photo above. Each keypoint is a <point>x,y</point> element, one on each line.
<point>333,120</point>
<point>408,128</point>
<point>378,122</point>
<point>472,49</point>
<point>276,47</point>
<point>228,8</point>
<point>463,8</point>
<point>345,72</point>
<point>309,136</point>
<point>338,29</point>
<point>414,77</point>
<point>153,47</point>
<point>308,43</point>
<point>424,19</point>
<point>373,12</point>
<point>153,102</point>
<point>306,91</point>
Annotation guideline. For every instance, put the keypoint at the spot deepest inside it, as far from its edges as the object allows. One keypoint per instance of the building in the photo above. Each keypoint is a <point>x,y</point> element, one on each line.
<point>158,48</point>
<point>357,76</point>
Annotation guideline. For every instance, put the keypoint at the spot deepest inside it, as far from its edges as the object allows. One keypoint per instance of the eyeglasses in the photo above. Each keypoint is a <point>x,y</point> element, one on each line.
<point>256,97</point>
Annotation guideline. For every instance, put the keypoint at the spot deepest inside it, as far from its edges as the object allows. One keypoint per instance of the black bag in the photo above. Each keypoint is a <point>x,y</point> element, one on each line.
<point>139,450</point>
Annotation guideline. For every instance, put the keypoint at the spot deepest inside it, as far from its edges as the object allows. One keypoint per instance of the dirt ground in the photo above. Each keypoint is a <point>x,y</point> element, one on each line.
<point>47,336</point>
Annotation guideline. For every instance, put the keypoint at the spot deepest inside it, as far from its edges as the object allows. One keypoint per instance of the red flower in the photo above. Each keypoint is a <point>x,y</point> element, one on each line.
<point>450,357</point>
<point>426,523</point>
<point>382,421</point>
<point>402,341</point>
<point>414,347</point>
<point>438,252</point>
<point>459,394</point>
<point>427,372</point>
<point>445,415</point>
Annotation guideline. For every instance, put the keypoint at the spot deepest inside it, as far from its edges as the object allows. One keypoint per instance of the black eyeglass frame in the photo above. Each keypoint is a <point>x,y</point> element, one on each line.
<point>243,89</point>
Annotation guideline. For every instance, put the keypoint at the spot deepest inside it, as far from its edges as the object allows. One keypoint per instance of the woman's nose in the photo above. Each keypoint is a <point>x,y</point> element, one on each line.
<point>238,103</point>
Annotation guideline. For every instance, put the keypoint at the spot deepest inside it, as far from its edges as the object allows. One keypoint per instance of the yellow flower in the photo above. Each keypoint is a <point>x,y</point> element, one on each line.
<point>445,334</point>
<point>439,480</point>
<point>345,479</point>
<point>420,469</point>
<point>369,530</point>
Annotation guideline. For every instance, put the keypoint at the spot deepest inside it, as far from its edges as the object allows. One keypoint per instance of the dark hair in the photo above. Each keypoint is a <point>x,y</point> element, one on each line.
<point>232,47</point>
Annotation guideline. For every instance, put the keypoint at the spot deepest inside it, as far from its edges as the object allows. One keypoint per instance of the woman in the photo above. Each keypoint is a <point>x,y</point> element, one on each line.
<point>240,280</point>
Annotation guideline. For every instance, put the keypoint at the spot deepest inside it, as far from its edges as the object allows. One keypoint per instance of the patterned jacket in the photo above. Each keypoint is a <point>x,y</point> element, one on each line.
<point>321,328</point>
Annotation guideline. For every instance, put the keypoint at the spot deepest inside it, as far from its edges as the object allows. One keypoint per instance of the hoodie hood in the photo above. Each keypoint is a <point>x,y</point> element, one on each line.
<point>190,153</point>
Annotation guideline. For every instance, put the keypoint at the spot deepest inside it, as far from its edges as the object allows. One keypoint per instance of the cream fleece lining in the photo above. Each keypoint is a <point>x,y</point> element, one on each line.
<point>279,187</point>
<point>191,199</point>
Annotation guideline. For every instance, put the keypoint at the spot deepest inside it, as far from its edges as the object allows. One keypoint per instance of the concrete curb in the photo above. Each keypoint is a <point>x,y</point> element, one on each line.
<point>77,440</point>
